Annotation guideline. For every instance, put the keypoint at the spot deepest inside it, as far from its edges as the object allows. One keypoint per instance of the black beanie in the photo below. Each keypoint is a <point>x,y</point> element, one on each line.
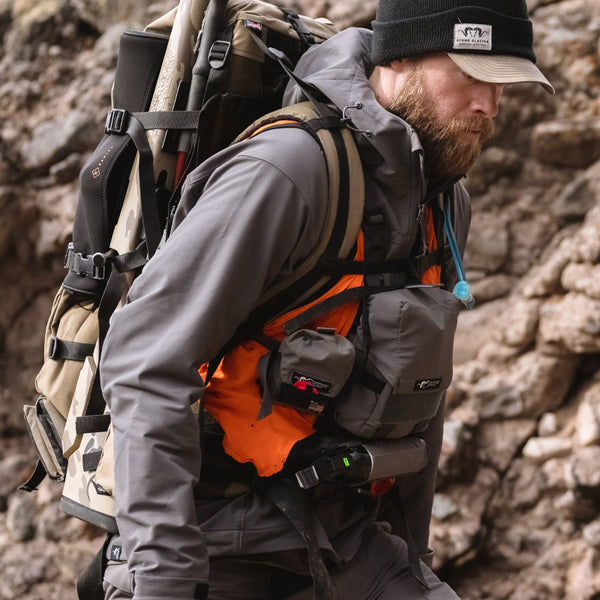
<point>405,28</point>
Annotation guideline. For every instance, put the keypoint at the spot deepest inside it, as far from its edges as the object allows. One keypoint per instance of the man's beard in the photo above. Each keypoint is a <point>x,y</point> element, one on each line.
<point>447,153</point>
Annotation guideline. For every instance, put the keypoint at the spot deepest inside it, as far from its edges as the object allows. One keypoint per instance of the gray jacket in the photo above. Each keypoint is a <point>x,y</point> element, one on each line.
<point>247,216</point>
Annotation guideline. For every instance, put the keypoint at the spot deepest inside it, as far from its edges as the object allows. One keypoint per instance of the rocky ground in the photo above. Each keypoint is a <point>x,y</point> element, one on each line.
<point>516,514</point>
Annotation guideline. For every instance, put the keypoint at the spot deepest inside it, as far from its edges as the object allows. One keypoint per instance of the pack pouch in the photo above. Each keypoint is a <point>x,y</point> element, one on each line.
<point>408,364</point>
<point>309,368</point>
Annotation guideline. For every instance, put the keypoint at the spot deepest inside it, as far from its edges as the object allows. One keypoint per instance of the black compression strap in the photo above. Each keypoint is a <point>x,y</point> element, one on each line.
<point>65,350</point>
<point>35,478</point>
<point>150,217</point>
<point>89,581</point>
<point>413,557</point>
<point>295,504</point>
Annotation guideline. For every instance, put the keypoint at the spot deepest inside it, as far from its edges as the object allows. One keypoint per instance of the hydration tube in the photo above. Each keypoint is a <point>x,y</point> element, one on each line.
<point>462,290</point>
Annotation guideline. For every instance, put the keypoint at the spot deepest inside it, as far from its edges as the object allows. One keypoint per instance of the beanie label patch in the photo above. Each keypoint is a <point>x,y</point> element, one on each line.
<point>472,36</point>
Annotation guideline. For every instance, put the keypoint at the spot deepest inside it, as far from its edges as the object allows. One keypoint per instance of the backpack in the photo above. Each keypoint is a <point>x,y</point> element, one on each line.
<point>175,102</point>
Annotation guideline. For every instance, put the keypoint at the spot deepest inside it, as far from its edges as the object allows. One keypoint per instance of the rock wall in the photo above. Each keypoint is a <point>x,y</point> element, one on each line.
<point>516,513</point>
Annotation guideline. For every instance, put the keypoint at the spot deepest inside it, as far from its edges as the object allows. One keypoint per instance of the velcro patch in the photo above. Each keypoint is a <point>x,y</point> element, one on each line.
<point>472,36</point>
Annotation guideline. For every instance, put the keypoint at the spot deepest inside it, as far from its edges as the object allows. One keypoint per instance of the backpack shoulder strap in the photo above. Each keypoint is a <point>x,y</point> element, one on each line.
<point>341,227</point>
<point>345,206</point>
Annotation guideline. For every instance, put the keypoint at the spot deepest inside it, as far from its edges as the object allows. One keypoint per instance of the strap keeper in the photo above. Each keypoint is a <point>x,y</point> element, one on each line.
<point>117,121</point>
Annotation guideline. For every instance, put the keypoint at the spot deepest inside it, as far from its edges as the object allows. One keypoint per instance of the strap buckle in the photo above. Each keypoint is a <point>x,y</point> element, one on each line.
<point>52,347</point>
<point>117,121</point>
<point>306,37</point>
<point>87,265</point>
<point>219,51</point>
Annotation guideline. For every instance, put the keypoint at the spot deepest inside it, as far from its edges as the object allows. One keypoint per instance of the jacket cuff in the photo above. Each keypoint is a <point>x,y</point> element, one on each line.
<point>147,587</point>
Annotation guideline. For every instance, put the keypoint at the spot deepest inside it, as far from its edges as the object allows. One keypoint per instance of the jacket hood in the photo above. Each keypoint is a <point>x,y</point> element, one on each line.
<point>340,68</point>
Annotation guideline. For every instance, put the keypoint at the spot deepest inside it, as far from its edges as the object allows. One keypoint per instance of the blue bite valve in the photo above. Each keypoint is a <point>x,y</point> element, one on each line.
<point>462,291</point>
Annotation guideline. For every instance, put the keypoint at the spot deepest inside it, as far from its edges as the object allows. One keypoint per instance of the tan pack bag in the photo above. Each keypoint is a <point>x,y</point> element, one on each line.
<point>128,177</point>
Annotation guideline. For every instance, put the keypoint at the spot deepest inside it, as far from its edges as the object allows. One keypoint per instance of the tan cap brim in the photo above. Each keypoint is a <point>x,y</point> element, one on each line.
<point>501,68</point>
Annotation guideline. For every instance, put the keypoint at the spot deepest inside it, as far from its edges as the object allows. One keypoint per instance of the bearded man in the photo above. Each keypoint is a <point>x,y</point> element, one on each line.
<point>419,92</point>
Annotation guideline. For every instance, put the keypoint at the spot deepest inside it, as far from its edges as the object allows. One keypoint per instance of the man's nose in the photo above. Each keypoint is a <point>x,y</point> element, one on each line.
<point>486,98</point>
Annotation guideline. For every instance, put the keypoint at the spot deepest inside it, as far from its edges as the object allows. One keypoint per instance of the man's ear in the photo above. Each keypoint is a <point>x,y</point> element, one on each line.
<point>398,65</point>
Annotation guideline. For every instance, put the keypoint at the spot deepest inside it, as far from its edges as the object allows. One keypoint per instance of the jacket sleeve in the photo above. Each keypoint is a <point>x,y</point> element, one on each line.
<point>260,212</point>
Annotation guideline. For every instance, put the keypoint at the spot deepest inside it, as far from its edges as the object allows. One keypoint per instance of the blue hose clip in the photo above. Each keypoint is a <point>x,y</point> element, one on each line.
<point>462,290</point>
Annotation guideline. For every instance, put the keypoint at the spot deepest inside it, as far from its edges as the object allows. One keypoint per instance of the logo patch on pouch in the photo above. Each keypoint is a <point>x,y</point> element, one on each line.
<point>425,385</point>
<point>115,552</point>
<point>320,386</point>
<point>472,36</point>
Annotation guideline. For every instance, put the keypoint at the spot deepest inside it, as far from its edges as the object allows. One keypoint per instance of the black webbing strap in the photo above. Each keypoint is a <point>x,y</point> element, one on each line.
<point>150,218</point>
<point>312,92</point>
<point>35,478</point>
<point>329,304</point>
<point>295,504</point>
<point>116,284</point>
<point>89,581</point>
<point>306,37</point>
<point>168,119</point>
<point>135,125</point>
<point>66,350</point>
<point>413,556</point>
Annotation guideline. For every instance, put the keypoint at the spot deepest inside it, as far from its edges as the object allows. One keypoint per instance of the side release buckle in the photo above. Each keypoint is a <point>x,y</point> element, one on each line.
<point>117,121</point>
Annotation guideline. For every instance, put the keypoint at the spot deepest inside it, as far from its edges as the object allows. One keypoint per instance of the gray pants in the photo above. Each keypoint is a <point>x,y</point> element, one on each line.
<point>379,571</point>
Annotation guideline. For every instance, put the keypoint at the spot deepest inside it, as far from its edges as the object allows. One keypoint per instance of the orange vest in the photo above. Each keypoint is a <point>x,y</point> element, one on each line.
<point>233,395</point>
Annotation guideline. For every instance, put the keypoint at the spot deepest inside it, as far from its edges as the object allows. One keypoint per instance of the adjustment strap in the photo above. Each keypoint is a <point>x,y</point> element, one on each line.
<point>295,504</point>
<point>64,350</point>
<point>328,304</point>
<point>130,261</point>
<point>118,120</point>
<point>135,125</point>
<point>306,37</point>
<point>413,557</point>
<point>35,478</point>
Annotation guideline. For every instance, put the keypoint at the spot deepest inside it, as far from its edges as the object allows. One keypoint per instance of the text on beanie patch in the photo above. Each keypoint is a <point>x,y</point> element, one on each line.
<point>472,36</point>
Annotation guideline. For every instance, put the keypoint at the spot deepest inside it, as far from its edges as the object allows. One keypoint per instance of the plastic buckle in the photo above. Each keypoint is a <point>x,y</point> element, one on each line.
<point>116,121</point>
<point>69,261</point>
<point>92,266</point>
<point>307,478</point>
<point>218,53</point>
<point>52,347</point>
<point>98,264</point>
<point>303,32</point>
